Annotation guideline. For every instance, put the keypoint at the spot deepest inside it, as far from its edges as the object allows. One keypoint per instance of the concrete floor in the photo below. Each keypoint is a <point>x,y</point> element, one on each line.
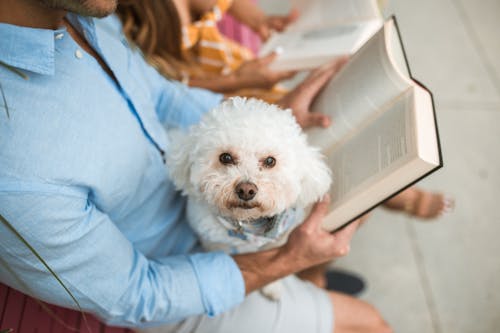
<point>444,276</point>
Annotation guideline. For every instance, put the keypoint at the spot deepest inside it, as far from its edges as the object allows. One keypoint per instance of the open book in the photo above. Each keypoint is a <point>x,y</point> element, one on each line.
<point>384,134</point>
<point>324,30</point>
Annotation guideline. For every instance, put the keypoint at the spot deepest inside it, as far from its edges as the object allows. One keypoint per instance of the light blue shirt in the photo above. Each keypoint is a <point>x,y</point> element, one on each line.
<point>83,180</point>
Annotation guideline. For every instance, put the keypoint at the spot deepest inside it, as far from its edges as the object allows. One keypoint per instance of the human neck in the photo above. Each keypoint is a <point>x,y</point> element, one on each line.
<point>30,13</point>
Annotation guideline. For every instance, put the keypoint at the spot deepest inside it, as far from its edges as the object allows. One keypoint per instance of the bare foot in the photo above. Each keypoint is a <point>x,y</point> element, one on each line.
<point>421,204</point>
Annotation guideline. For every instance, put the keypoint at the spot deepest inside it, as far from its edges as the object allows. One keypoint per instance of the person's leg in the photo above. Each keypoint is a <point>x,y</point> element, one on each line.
<point>356,316</point>
<point>420,203</point>
<point>302,308</point>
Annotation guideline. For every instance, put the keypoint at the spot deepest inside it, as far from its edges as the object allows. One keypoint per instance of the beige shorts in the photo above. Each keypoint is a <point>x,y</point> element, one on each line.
<point>301,308</point>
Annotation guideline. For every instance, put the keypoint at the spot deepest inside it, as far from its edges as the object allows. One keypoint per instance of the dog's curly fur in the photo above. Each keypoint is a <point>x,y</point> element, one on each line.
<point>250,131</point>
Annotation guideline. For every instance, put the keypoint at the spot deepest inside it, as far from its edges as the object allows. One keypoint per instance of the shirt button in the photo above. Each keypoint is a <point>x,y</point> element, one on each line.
<point>78,54</point>
<point>59,35</point>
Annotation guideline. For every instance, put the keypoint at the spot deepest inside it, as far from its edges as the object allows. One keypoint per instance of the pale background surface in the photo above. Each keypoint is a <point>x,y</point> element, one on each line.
<point>444,277</point>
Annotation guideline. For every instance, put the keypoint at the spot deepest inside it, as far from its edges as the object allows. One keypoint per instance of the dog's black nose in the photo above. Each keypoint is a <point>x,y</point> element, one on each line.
<point>246,190</point>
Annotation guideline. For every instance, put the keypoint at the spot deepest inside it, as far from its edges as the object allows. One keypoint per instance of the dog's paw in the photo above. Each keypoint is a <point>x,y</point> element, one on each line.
<point>273,290</point>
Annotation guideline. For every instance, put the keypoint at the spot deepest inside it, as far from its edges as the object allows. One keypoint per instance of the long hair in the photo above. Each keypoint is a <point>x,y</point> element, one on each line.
<point>155,27</point>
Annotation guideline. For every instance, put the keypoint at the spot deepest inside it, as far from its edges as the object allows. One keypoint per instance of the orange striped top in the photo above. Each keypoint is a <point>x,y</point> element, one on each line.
<point>215,54</point>
<point>204,43</point>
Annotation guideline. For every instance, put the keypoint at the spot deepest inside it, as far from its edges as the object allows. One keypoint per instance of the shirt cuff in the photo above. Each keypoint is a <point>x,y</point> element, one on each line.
<point>220,280</point>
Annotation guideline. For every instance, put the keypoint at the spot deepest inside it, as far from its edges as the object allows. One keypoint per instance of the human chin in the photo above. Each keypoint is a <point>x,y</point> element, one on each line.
<point>94,8</point>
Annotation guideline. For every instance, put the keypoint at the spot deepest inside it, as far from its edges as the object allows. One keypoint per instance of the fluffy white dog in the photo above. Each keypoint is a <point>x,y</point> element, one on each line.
<point>248,173</point>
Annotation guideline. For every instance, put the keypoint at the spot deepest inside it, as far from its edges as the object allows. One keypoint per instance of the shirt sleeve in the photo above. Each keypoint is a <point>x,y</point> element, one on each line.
<point>182,106</point>
<point>176,104</point>
<point>101,268</point>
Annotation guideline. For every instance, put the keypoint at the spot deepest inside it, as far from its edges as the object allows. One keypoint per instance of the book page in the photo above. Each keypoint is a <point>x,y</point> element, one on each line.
<point>314,47</point>
<point>398,148</point>
<point>395,50</point>
<point>371,152</point>
<point>298,43</point>
<point>324,30</point>
<point>367,82</point>
<point>319,13</point>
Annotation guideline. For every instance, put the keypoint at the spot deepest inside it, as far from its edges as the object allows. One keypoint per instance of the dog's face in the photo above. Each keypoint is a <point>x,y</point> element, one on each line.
<point>248,159</point>
<point>247,180</point>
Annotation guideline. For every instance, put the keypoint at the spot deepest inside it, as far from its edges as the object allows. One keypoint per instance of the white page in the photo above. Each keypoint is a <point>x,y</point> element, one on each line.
<point>324,30</point>
<point>395,50</point>
<point>367,82</point>
<point>393,151</point>
<point>314,47</point>
<point>317,13</point>
<point>374,151</point>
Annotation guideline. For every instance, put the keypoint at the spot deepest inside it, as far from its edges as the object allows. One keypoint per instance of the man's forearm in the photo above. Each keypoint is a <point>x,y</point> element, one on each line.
<point>261,268</point>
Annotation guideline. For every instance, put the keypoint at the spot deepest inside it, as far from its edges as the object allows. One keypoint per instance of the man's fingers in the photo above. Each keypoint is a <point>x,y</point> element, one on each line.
<point>342,239</point>
<point>346,233</point>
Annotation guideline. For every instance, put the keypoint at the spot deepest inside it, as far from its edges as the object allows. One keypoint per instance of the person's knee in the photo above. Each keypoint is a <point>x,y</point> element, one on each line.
<point>376,323</point>
<point>355,316</point>
<point>380,327</point>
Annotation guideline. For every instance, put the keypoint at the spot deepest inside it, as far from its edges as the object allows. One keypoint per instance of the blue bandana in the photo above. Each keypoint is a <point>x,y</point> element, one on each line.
<point>265,229</point>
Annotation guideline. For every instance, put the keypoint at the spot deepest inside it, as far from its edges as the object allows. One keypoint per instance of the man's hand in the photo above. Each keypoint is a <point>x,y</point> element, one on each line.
<point>301,98</point>
<point>256,73</point>
<point>307,246</point>
<point>310,244</point>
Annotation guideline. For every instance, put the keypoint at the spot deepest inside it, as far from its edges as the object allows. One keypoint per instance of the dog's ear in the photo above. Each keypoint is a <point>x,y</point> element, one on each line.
<point>179,159</point>
<point>315,176</point>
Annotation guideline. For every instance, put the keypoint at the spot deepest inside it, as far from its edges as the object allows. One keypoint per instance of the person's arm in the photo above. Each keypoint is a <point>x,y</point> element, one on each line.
<point>176,104</point>
<point>100,266</point>
<point>251,74</point>
<point>248,13</point>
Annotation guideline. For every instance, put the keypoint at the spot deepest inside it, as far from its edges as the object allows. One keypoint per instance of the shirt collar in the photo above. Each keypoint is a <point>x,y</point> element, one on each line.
<point>34,49</point>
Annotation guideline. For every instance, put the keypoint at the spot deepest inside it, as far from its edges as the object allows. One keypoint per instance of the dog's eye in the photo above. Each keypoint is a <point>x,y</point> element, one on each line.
<point>269,162</point>
<point>226,158</point>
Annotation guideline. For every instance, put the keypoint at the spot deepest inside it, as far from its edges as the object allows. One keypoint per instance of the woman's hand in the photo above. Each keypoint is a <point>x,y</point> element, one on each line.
<point>301,98</point>
<point>256,74</point>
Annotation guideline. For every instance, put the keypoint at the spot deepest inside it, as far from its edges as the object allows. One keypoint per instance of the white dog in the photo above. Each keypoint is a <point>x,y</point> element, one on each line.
<point>248,173</point>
